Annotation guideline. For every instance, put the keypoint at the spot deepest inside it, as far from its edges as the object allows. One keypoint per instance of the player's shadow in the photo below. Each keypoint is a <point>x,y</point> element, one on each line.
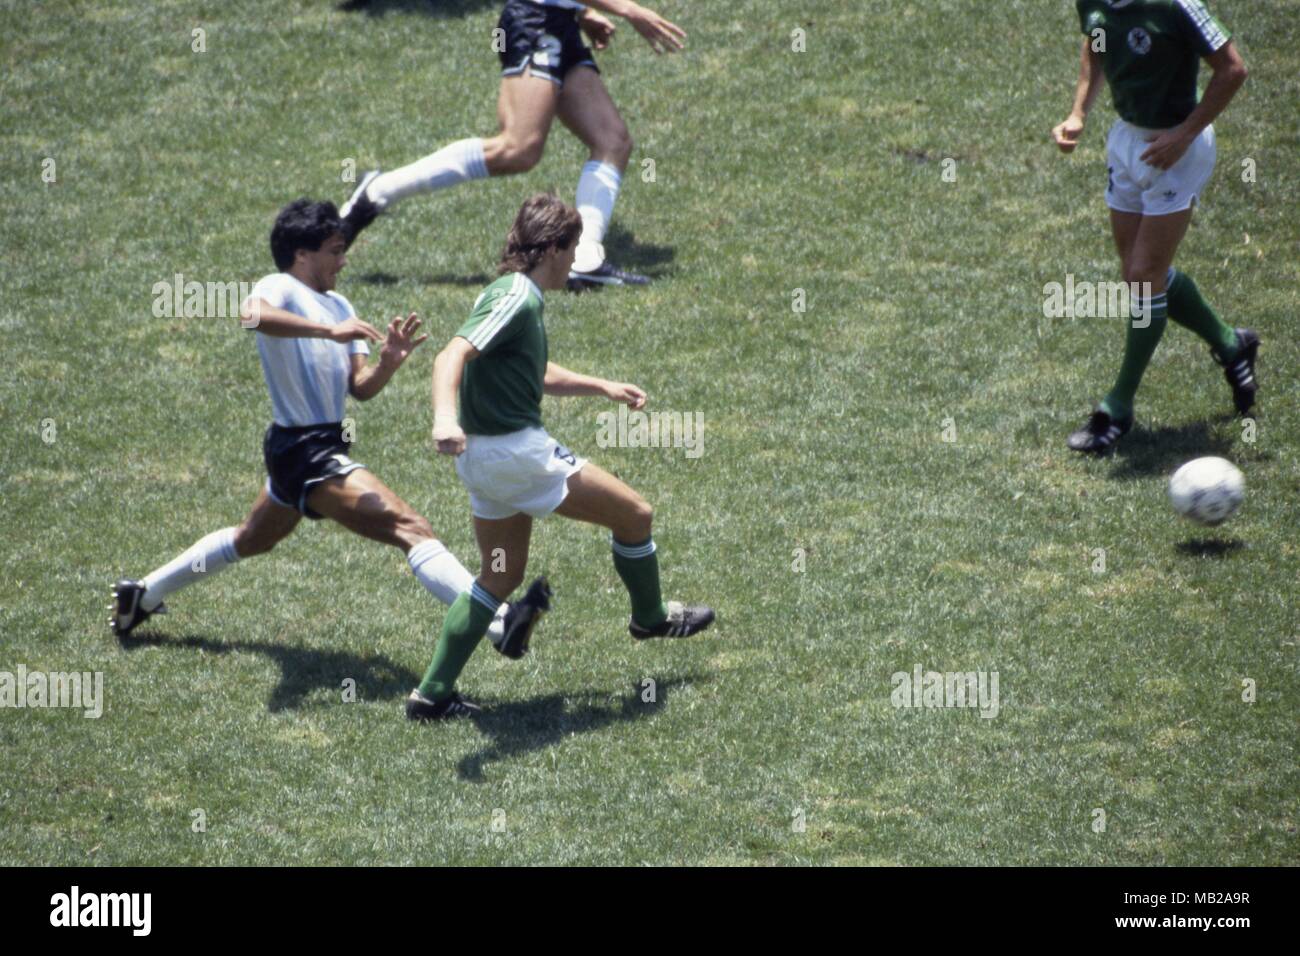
<point>1210,547</point>
<point>302,669</point>
<point>523,726</point>
<point>477,280</point>
<point>1152,451</point>
<point>622,249</point>
<point>434,8</point>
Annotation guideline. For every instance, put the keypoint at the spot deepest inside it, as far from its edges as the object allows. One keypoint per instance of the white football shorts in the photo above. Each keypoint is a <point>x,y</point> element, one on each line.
<point>526,471</point>
<point>1134,186</point>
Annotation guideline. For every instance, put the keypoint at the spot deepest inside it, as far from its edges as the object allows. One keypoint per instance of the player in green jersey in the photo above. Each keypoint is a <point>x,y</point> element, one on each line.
<point>499,367</point>
<point>1160,153</point>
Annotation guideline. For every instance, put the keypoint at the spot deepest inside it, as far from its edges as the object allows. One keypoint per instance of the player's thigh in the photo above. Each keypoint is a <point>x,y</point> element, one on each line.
<point>598,497</point>
<point>503,550</point>
<point>362,503</point>
<point>1124,229</point>
<point>1154,247</point>
<point>588,110</point>
<point>526,106</point>
<point>267,524</point>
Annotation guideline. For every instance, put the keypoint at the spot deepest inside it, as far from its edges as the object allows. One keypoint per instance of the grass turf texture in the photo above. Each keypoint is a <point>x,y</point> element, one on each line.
<point>774,171</point>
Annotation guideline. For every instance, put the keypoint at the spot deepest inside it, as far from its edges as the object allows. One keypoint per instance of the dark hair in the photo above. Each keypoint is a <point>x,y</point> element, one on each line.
<point>544,223</point>
<point>303,224</point>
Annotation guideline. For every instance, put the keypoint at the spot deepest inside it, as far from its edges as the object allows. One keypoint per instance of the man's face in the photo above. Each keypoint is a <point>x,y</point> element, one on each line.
<point>556,265</point>
<point>324,265</point>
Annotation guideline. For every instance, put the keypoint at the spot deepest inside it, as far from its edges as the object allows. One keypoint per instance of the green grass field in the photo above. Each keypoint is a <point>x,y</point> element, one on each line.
<point>840,537</point>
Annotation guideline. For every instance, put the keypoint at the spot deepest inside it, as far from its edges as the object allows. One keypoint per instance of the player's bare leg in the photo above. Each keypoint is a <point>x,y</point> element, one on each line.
<point>365,505</point>
<point>597,497</point>
<point>526,107</point>
<point>587,109</point>
<point>267,525</point>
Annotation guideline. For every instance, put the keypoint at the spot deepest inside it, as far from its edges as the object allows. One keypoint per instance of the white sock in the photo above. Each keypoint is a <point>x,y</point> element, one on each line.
<point>454,163</point>
<point>597,191</point>
<point>446,578</point>
<point>204,558</point>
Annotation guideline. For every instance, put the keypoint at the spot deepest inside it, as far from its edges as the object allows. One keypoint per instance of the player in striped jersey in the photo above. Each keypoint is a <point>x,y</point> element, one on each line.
<point>546,71</point>
<point>314,353</point>
<point>499,366</point>
<point>1160,154</point>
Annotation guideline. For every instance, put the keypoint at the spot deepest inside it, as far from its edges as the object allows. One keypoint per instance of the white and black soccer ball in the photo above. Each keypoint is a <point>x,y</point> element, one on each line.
<point>1207,490</point>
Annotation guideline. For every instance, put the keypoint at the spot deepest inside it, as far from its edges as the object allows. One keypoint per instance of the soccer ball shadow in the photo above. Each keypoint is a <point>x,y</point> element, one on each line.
<point>1210,547</point>
<point>1158,451</point>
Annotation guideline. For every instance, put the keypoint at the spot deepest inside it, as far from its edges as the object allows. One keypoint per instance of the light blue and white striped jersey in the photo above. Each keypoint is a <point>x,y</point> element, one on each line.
<point>307,378</point>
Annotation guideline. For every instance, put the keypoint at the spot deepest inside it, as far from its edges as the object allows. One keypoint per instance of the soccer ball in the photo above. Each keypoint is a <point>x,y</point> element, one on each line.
<point>1207,490</point>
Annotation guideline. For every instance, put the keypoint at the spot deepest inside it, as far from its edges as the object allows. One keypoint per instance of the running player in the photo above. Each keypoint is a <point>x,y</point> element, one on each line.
<point>498,365</point>
<point>546,71</point>
<point>1159,156</point>
<point>314,352</point>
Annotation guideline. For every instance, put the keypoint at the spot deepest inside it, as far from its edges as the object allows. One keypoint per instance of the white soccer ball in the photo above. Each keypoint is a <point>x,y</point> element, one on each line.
<point>1208,490</point>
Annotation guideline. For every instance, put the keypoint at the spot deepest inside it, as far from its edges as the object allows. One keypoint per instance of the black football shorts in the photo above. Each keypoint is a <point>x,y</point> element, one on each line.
<point>298,459</point>
<point>547,39</point>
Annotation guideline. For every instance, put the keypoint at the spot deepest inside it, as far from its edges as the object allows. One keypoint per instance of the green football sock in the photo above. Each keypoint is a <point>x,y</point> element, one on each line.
<point>1189,309</point>
<point>638,566</point>
<point>466,622</point>
<point>1140,345</point>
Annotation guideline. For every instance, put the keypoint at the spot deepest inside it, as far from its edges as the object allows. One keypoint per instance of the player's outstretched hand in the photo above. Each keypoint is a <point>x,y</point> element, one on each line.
<point>353,329</point>
<point>1166,149</point>
<point>400,342</point>
<point>662,35</point>
<point>448,436</point>
<point>599,29</point>
<point>625,394</point>
<point>1066,135</point>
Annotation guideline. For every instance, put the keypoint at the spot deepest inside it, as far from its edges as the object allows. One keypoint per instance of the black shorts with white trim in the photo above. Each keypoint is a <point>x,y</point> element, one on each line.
<point>547,39</point>
<point>299,458</point>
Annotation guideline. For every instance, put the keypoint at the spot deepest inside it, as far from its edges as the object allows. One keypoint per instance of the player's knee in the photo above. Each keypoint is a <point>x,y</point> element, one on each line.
<point>521,155</point>
<point>640,519</point>
<point>620,146</point>
<point>1142,270</point>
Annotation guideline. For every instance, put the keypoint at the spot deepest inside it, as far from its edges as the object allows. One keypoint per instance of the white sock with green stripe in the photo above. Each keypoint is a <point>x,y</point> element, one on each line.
<point>638,566</point>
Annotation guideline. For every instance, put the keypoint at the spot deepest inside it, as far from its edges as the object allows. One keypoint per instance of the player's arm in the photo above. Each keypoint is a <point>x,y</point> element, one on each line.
<point>262,316</point>
<point>1066,134</point>
<point>1228,76</point>
<point>448,369</point>
<point>367,381</point>
<point>561,381</point>
<point>662,35</point>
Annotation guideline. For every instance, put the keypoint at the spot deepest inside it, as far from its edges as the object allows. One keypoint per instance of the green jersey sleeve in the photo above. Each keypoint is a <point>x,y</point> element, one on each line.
<point>497,316</point>
<point>1203,32</point>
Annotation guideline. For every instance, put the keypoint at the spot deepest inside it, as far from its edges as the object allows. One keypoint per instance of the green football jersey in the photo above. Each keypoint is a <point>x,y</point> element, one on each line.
<point>501,390</point>
<point>1152,51</point>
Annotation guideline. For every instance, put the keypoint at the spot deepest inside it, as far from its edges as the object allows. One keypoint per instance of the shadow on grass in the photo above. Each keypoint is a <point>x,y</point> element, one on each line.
<point>446,278</point>
<point>302,669</point>
<point>1151,451</point>
<point>1210,547</point>
<point>623,250</point>
<point>523,726</point>
<point>434,8</point>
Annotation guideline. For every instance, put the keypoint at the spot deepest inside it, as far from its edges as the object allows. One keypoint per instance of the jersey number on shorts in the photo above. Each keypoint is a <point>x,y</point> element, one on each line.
<point>564,454</point>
